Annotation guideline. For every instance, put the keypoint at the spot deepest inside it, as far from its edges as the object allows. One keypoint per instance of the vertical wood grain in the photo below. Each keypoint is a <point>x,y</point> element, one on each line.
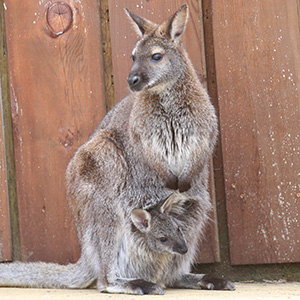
<point>57,101</point>
<point>6,153</point>
<point>108,76</point>
<point>123,39</point>
<point>258,71</point>
<point>5,242</point>
<point>218,171</point>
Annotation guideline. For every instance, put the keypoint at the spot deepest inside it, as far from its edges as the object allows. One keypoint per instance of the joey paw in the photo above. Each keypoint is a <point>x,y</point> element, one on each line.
<point>145,287</point>
<point>213,283</point>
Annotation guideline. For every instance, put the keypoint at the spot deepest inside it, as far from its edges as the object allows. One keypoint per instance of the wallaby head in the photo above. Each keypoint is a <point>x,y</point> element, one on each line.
<point>160,228</point>
<point>157,56</point>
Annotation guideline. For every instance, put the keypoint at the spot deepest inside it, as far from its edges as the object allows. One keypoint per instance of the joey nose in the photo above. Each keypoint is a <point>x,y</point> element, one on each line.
<point>133,80</point>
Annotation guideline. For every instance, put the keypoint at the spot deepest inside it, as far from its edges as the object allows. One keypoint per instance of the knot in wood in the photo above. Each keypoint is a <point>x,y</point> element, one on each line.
<point>59,18</point>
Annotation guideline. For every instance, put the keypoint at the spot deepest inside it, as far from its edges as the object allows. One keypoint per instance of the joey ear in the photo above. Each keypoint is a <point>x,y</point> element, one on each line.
<point>175,203</point>
<point>141,219</point>
<point>142,25</point>
<point>175,26</point>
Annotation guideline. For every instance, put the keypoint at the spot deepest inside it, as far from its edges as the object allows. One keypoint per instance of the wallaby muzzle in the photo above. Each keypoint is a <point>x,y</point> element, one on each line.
<point>134,81</point>
<point>180,248</point>
<point>137,78</point>
<point>137,81</point>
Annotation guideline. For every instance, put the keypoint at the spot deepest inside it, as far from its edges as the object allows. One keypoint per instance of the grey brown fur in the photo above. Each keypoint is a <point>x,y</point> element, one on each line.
<point>155,143</point>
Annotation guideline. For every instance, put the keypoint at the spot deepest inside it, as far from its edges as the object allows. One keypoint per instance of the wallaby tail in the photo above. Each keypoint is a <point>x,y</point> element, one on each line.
<point>45,275</point>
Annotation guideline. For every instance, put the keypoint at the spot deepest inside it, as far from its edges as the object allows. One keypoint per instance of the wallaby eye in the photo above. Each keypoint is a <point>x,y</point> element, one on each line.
<point>132,57</point>
<point>163,239</point>
<point>157,56</point>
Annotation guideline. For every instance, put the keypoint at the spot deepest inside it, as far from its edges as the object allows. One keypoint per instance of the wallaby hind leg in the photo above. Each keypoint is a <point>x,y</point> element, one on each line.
<point>202,281</point>
<point>97,205</point>
<point>104,231</point>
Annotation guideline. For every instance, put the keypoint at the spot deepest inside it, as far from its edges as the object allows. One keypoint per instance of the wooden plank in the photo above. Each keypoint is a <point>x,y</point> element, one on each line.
<point>110,100</point>
<point>57,101</point>
<point>123,38</point>
<point>258,71</point>
<point>218,171</point>
<point>5,243</point>
<point>5,234</point>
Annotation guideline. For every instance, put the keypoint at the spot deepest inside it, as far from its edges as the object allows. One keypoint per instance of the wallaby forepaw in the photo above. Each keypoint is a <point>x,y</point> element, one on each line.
<point>213,283</point>
<point>145,287</point>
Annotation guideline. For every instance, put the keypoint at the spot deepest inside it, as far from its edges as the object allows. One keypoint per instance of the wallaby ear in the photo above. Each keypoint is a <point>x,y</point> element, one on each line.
<point>141,219</point>
<point>175,203</point>
<point>142,26</point>
<point>175,26</point>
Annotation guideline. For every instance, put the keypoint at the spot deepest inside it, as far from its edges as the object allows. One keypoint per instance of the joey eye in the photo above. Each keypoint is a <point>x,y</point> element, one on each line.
<point>157,56</point>
<point>163,239</point>
<point>132,57</point>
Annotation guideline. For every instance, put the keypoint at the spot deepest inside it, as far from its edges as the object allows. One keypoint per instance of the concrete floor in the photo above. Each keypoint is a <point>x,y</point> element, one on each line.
<point>244,291</point>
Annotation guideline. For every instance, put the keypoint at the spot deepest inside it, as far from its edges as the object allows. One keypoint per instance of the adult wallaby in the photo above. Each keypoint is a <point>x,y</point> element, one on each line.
<point>156,141</point>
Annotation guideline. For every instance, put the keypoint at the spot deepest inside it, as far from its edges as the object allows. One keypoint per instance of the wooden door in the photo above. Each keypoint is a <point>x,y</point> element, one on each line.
<point>257,51</point>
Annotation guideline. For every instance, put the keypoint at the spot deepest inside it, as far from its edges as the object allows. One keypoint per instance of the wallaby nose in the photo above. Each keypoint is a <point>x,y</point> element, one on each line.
<point>133,80</point>
<point>183,250</point>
